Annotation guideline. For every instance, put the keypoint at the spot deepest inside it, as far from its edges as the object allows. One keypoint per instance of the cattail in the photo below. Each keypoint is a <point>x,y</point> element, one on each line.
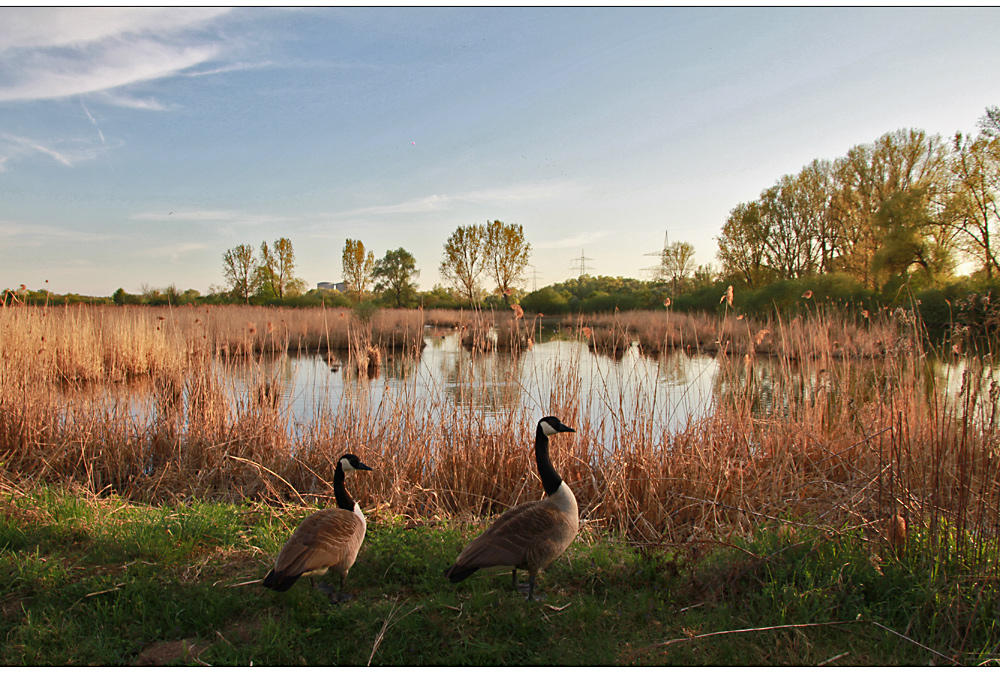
<point>864,312</point>
<point>518,312</point>
<point>760,336</point>
<point>739,317</point>
<point>956,349</point>
<point>728,297</point>
<point>896,533</point>
<point>807,294</point>
<point>666,302</point>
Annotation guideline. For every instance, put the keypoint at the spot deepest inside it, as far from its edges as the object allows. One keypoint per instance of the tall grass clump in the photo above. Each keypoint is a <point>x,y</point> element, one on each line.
<point>824,421</point>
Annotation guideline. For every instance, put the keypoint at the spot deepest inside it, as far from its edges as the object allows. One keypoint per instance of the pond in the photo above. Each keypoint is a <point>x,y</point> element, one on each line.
<point>667,391</point>
<point>678,385</point>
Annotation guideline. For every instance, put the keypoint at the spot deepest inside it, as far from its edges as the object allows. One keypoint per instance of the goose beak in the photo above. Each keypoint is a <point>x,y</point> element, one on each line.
<point>362,466</point>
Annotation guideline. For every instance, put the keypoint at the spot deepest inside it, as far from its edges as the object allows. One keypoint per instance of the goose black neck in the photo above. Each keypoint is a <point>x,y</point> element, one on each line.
<point>344,499</point>
<point>550,478</point>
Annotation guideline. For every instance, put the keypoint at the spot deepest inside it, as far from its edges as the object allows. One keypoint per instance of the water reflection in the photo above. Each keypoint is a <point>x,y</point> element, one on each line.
<point>611,394</point>
<point>667,390</point>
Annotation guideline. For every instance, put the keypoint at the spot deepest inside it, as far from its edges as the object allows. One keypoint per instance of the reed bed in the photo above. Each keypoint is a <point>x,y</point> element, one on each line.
<point>825,440</point>
<point>825,332</point>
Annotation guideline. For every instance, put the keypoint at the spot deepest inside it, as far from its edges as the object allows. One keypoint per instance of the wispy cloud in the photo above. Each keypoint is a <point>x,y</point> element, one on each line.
<point>66,152</point>
<point>50,53</point>
<point>34,27</point>
<point>228,217</point>
<point>581,239</point>
<point>172,252</point>
<point>512,194</point>
<point>14,233</point>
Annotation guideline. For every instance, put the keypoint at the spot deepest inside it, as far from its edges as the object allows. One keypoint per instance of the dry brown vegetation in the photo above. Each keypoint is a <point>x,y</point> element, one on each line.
<point>824,333</point>
<point>122,400</point>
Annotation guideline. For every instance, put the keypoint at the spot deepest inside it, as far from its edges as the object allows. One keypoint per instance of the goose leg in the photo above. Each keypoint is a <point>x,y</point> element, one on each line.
<point>520,587</point>
<point>341,596</point>
<point>531,588</point>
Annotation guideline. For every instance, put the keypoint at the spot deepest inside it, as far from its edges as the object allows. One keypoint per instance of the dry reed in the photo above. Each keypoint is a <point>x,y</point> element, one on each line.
<point>825,439</point>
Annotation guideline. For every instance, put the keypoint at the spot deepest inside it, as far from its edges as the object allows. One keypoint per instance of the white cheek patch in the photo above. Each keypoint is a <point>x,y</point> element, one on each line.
<point>346,464</point>
<point>547,429</point>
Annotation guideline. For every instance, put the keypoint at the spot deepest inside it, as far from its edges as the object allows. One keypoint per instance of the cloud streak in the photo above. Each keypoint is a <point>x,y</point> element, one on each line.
<point>66,152</point>
<point>520,193</point>
<point>14,233</point>
<point>52,53</point>
<point>223,217</point>
<point>581,239</point>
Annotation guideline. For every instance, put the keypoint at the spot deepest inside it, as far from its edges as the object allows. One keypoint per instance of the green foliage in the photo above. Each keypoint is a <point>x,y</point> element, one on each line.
<point>546,300</point>
<point>439,297</point>
<point>365,310</point>
<point>101,582</point>
<point>394,276</point>
<point>358,267</point>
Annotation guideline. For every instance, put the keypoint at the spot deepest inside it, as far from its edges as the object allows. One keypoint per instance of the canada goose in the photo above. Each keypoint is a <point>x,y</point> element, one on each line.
<point>326,540</point>
<point>533,534</point>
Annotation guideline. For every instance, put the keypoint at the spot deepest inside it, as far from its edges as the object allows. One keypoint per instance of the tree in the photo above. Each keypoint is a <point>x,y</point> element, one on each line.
<point>239,268</point>
<point>974,207</point>
<point>507,253</point>
<point>465,259</point>
<point>394,274</point>
<point>676,263</point>
<point>910,236</point>
<point>358,267</point>
<point>284,268</point>
<point>742,245</point>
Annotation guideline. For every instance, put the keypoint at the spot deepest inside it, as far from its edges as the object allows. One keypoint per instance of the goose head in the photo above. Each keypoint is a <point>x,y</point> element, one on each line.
<point>349,463</point>
<point>550,425</point>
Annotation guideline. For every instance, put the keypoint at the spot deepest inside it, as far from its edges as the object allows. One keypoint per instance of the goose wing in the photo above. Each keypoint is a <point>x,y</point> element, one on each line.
<point>529,536</point>
<point>329,538</point>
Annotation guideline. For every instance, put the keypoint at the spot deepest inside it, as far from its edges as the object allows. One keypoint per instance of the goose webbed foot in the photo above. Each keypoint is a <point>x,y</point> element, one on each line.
<point>336,597</point>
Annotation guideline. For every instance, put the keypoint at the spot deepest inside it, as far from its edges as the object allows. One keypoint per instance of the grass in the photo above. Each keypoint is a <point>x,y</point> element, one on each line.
<point>91,580</point>
<point>848,426</point>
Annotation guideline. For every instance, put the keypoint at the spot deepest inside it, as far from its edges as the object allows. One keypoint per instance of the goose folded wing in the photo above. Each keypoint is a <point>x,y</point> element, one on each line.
<point>517,537</point>
<point>327,539</point>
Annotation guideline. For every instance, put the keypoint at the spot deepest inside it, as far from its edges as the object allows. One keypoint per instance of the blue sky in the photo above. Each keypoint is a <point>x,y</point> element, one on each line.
<point>137,145</point>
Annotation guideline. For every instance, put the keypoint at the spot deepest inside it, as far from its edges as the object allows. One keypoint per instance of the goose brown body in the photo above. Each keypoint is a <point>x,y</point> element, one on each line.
<point>531,535</point>
<point>527,537</point>
<point>325,541</point>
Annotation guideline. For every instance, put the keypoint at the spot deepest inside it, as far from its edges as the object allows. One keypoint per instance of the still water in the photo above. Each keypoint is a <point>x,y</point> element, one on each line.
<point>673,388</point>
<point>666,391</point>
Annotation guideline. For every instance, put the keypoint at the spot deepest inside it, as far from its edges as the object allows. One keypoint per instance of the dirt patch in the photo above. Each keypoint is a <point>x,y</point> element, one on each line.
<point>244,631</point>
<point>11,607</point>
<point>161,654</point>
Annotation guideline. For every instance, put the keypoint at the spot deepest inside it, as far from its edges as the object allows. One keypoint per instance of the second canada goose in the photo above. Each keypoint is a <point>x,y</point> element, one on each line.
<point>325,540</point>
<point>533,534</point>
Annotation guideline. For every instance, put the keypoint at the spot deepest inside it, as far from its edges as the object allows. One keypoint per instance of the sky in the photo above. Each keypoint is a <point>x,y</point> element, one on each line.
<point>137,145</point>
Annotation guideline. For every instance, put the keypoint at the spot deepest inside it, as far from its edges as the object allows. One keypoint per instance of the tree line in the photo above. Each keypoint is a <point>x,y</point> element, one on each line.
<point>473,255</point>
<point>907,208</point>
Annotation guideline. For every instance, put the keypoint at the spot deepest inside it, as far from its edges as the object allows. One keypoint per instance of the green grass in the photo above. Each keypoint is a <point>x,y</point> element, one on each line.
<point>87,581</point>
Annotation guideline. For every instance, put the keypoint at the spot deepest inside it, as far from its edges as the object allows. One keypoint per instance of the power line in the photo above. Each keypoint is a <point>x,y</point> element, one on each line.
<point>661,254</point>
<point>581,262</point>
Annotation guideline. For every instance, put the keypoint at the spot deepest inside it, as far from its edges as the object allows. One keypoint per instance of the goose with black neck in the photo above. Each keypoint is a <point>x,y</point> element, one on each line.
<point>531,535</point>
<point>325,540</point>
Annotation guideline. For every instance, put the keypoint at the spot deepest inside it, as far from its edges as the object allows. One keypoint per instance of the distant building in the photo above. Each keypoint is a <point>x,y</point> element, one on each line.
<point>339,287</point>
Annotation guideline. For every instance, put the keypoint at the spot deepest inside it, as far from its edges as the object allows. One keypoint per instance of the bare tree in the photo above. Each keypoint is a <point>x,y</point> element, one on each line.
<point>465,259</point>
<point>676,263</point>
<point>358,267</point>
<point>507,253</point>
<point>239,267</point>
